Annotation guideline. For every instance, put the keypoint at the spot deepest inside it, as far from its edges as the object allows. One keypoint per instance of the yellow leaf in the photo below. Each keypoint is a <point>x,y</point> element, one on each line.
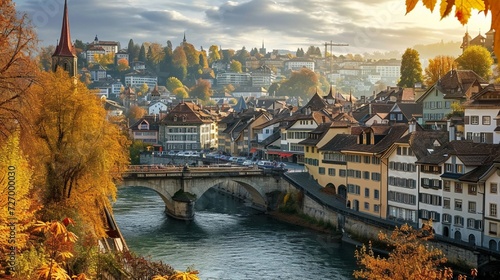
<point>463,9</point>
<point>446,7</point>
<point>430,4</point>
<point>410,5</point>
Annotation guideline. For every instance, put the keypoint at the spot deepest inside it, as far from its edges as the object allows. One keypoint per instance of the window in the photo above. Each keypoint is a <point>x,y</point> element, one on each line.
<point>474,120</point>
<point>471,223</point>
<point>458,187</point>
<point>493,228</point>
<point>366,175</point>
<point>342,172</point>
<point>321,170</point>
<point>375,176</point>
<point>447,184</point>
<point>472,189</point>
<point>493,209</point>
<point>376,208</point>
<point>446,218</point>
<point>331,171</point>
<point>458,204</point>
<point>493,187</point>
<point>447,104</point>
<point>366,159</point>
<point>459,221</point>
<point>486,120</point>
<point>375,194</point>
<point>446,203</point>
<point>367,192</point>
<point>472,207</point>
<point>367,206</point>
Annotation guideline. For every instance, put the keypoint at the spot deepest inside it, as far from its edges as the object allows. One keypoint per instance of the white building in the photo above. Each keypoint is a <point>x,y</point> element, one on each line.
<point>299,63</point>
<point>137,80</point>
<point>491,181</point>
<point>157,108</point>
<point>482,116</point>
<point>233,78</point>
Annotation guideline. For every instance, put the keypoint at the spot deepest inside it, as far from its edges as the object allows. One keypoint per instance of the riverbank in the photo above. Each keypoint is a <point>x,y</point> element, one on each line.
<point>298,220</point>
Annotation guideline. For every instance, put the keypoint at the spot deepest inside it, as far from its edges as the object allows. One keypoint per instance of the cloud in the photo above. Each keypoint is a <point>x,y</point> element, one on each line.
<point>366,25</point>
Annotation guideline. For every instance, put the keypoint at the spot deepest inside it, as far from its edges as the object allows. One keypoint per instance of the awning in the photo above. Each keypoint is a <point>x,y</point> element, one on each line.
<point>253,150</point>
<point>280,153</point>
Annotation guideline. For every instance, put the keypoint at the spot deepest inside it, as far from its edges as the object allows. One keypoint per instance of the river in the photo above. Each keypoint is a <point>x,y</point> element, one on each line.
<point>228,240</point>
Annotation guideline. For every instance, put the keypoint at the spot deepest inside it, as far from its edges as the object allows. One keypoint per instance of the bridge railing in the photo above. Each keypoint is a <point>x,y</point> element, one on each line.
<point>170,168</point>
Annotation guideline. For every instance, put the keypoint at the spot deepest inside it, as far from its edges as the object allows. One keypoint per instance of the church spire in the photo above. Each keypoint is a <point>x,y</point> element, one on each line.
<point>65,53</point>
<point>184,39</point>
<point>65,47</point>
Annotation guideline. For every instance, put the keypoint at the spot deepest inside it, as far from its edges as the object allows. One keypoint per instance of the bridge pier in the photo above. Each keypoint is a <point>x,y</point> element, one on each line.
<point>181,210</point>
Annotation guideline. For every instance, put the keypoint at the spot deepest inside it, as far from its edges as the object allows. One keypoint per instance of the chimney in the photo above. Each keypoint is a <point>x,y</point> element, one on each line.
<point>412,125</point>
<point>451,130</point>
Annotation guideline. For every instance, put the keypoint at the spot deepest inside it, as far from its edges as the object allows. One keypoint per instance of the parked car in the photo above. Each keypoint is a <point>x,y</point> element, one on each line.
<point>233,159</point>
<point>263,164</point>
<point>248,163</point>
<point>171,153</point>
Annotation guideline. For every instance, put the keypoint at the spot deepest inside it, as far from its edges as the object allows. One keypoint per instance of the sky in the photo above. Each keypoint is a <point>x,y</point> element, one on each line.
<point>365,25</point>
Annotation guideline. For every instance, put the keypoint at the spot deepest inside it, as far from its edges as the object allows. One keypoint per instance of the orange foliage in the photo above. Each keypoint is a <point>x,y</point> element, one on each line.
<point>411,257</point>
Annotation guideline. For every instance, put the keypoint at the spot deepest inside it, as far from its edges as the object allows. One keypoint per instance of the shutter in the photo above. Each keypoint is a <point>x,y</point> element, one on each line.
<point>467,120</point>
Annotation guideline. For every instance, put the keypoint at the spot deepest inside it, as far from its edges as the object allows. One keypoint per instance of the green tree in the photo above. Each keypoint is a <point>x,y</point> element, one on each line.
<point>133,51</point>
<point>135,150</point>
<point>235,66</point>
<point>173,83</point>
<point>202,90</point>
<point>411,69</point>
<point>242,55</point>
<point>477,59</point>
<point>301,83</point>
<point>438,67</point>
<point>166,64</point>
<point>142,54</point>
<point>274,88</point>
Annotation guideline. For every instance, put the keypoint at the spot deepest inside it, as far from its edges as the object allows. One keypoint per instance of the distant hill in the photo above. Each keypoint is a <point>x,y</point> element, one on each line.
<point>443,48</point>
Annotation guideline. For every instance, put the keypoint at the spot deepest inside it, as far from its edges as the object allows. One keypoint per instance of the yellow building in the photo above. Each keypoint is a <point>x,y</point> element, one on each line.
<point>367,172</point>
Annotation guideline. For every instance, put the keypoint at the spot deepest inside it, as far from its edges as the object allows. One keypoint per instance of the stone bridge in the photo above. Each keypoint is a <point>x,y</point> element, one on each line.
<point>179,187</point>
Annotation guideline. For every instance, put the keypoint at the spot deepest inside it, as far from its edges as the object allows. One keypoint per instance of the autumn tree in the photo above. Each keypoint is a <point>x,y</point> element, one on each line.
<point>201,90</point>
<point>180,93</point>
<point>123,65</point>
<point>81,154</point>
<point>17,67</point>
<point>438,67</point>
<point>104,59</point>
<point>18,197</point>
<point>301,83</point>
<point>410,257</point>
<point>242,55</point>
<point>213,54</point>
<point>235,66</point>
<point>477,59</point>
<point>411,69</point>
<point>45,57</point>
<point>173,83</point>
<point>179,64</point>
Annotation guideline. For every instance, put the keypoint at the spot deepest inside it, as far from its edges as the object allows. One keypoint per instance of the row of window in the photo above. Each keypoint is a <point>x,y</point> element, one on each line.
<point>402,182</point>
<point>434,116</point>
<point>297,134</point>
<point>400,197</point>
<point>474,120</point>
<point>430,183</point>
<point>402,166</point>
<point>183,130</point>
<point>459,221</point>
<point>437,104</point>
<point>430,199</point>
<point>471,189</point>
<point>402,214</point>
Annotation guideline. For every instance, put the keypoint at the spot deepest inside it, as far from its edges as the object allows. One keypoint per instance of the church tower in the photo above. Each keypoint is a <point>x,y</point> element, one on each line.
<point>65,54</point>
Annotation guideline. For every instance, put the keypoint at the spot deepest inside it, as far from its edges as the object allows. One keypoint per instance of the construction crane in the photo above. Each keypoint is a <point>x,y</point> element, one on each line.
<point>332,44</point>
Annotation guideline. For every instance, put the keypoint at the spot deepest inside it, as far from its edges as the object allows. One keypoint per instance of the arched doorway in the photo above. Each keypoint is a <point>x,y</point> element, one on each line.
<point>446,232</point>
<point>331,188</point>
<point>492,245</point>
<point>458,235</point>
<point>348,205</point>
<point>472,239</point>
<point>342,191</point>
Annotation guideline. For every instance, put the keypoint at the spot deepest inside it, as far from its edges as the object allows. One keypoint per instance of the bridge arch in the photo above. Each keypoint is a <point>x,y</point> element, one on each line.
<point>153,185</point>
<point>256,191</point>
